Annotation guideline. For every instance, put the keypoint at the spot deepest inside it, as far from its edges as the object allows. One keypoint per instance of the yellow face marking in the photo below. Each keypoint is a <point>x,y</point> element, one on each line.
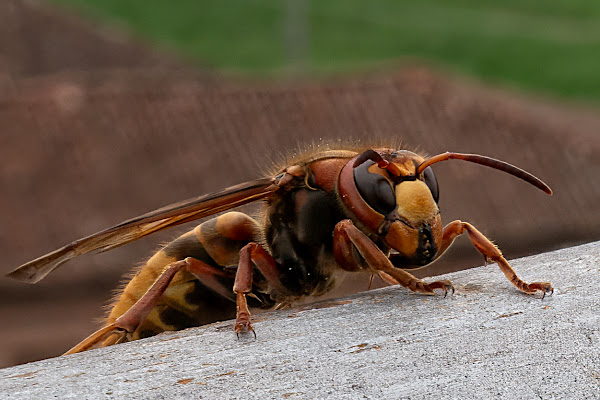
<point>374,169</point>
<point>406,168</point>
<point>415,202</point>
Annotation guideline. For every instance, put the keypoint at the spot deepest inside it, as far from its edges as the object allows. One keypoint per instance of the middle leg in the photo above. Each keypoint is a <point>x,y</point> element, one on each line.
<point>252,255</point>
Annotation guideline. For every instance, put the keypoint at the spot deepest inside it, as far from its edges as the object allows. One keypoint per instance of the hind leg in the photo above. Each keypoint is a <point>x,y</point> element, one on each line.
<point>165,294</point>
<point>124,326</point>
<point>130,321</point>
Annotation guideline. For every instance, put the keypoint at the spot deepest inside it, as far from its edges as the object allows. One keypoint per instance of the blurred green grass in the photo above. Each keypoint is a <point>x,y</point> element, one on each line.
<point>537,45</point>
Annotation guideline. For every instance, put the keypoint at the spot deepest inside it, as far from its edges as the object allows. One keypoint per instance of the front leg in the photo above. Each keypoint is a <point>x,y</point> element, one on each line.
<point>348,237</point>
<point>490,252</point>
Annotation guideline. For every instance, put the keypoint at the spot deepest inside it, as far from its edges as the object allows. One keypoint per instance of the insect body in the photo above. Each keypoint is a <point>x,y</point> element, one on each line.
<point>374,210</point>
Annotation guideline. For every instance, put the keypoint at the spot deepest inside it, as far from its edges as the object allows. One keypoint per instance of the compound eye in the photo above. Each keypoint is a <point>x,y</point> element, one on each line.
<point>431,183</point>
<point>375,189</point>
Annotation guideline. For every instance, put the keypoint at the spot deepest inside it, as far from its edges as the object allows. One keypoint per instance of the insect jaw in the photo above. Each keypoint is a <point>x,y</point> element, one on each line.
<point>417,245</point>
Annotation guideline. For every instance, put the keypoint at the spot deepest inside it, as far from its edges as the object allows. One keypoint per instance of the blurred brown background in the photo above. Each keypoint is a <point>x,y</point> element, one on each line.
<point>96,127</point>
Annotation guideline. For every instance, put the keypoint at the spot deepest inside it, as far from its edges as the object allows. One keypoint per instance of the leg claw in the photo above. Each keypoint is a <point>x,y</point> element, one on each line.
<point>445,285</point>
<point>243,327</point>
<point>544,287</point>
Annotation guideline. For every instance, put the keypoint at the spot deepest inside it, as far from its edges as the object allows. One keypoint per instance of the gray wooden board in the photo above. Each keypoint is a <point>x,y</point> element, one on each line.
<point>486,341</point>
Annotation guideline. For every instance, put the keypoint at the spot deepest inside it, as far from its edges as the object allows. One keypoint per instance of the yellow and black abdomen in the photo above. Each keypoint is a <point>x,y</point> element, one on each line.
<point>187,301</point>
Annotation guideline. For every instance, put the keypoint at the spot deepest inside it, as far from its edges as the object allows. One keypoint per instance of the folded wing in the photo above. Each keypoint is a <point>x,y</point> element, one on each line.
<point>146,224</point>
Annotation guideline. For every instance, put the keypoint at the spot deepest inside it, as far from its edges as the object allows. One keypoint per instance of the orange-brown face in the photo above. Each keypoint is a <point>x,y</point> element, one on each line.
<point>399,206</point>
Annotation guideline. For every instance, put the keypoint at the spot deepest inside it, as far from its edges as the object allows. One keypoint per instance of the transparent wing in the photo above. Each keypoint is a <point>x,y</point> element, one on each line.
<point>144,225</point>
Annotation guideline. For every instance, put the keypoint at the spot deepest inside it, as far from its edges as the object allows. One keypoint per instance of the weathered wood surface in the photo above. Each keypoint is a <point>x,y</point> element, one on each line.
<point>486,341</point>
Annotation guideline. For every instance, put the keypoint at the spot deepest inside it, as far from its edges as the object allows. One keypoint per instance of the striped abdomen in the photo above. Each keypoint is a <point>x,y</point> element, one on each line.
<point>187,301</point>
